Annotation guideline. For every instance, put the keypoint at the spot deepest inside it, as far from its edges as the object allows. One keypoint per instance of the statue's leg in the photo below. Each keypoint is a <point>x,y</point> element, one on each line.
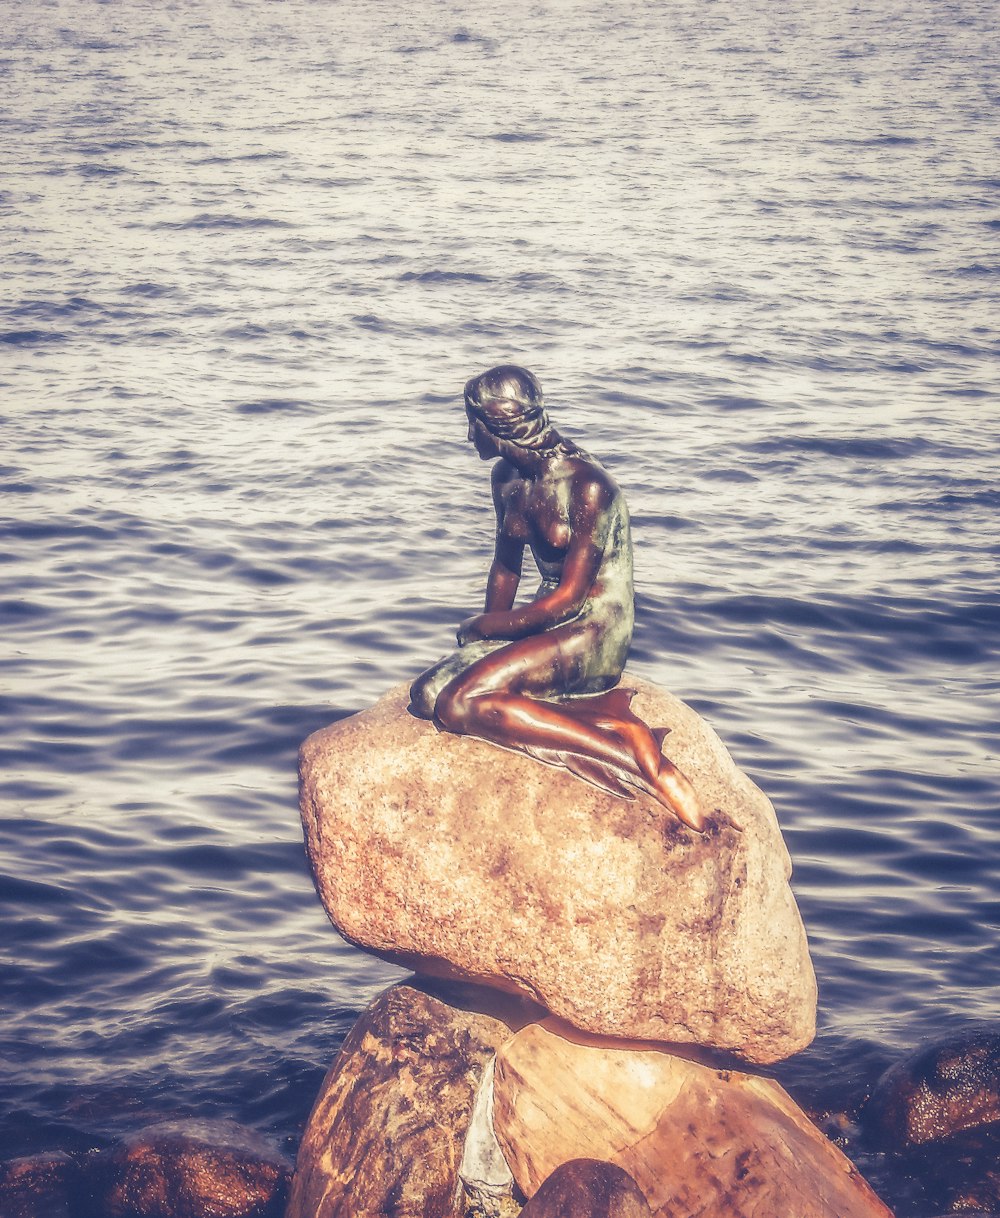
<point>425,689</point>
<point>612,711</point>
<point>500,698</point>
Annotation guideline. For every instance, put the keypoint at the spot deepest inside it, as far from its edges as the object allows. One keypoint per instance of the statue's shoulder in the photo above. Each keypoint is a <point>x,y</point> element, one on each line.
<point>591,480</point>
<point>503,474</point>
<point>504,480</point>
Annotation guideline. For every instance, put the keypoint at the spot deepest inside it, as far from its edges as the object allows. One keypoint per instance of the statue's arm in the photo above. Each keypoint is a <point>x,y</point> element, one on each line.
<point>508,558</point>
<point>505,575</point>
<point>589,519</point>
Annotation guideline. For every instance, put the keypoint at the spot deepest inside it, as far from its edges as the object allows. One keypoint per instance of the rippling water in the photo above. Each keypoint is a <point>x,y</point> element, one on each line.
<point>251,255</point>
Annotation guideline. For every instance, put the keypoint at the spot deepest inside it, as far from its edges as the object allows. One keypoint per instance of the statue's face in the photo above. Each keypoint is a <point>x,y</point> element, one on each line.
<point>479,435</point>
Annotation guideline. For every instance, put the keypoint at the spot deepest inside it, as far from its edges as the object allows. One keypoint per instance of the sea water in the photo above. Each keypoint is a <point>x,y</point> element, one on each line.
<point>252,251</point>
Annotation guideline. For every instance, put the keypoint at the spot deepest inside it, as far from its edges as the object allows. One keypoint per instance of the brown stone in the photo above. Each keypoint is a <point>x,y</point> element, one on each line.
<point>941,1089</point>
<point>39,1186</point>
<point>456,858</point>
<point>387,1131</point>
<point>588,1188</point>
<point>696,1140</point>
<point>195,1169</point>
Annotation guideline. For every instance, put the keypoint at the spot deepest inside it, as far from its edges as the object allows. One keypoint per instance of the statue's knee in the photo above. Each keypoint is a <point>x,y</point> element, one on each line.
<point>451,710</point>
<point>422,698</point>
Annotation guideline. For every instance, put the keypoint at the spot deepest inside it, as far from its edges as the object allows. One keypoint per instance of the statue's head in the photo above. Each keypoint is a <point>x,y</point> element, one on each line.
<point>508,402</point>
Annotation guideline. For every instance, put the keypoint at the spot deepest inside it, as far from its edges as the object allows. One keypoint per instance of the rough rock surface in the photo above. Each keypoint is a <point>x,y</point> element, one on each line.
<point>958,1173</point>
<point>454,857</point>
<point>195,1169</point>
<point>945,1087</point>
<point>386,1133</point>
<point>696,1140</point>
<point>587,1188</point>
<point>39,1186</point>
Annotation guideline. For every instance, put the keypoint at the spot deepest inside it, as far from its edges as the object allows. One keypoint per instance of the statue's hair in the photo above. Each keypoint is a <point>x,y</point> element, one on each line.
<point>508,401</point>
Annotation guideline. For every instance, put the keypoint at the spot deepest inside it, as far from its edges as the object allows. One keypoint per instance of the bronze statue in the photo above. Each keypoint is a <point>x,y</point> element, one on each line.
<point>539,678</point>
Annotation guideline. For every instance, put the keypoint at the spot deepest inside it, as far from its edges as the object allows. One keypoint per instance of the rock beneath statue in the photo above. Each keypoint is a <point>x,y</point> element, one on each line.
<point>945,1087</point>
<point>588,1188</point>
<point>386,1134</point>
<point>195,1169</point>
<point>39,1186</point>
<point>457,858</point>
<point>695,1139</point>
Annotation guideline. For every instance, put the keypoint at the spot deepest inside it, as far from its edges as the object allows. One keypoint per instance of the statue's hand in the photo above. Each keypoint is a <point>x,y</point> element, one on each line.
<point>471,630</point>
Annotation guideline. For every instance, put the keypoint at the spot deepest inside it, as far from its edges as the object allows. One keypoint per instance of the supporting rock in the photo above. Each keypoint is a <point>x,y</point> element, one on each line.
<point>386,1134</point>
<point>696,1140</point>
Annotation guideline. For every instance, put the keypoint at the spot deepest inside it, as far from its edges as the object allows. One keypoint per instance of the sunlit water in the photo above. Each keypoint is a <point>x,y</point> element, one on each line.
<point>252,252</point>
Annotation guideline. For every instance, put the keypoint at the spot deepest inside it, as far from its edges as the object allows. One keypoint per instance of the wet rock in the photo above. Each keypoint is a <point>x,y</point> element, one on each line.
<point>386,1134</point>
<point>39,1186</point>
<point>588,1188</point>
<point>695,1139</point>
<point>958,1173</point>
<point>937,1091</point>
<point>459,859</point>
<point>195,1169</point>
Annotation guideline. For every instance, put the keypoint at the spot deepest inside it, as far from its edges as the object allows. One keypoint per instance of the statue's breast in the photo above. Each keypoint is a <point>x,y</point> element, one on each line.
<point>547,508</point>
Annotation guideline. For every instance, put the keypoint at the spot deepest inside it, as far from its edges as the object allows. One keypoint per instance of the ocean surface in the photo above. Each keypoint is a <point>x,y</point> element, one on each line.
<point>251,253</point>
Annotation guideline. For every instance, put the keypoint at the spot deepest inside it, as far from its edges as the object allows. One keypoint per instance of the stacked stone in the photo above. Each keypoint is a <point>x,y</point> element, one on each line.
<point>594,980</point>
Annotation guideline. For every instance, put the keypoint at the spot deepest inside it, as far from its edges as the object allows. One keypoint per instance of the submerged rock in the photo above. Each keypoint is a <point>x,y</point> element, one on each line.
<point>39,1186</point>
<point>459,859</point>
<point>696,1140</point>
<point>945,1087</point>
<point>195,1169</point>
<point>958,1173</point>
<point>386,1134</point>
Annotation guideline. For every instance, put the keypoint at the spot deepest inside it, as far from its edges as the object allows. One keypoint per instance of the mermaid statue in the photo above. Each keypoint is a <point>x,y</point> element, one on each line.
<point>542,677</point>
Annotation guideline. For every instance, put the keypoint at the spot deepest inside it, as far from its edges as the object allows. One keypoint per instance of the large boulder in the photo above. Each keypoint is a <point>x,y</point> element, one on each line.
<point>696,1140</point>
<point>456,858</point>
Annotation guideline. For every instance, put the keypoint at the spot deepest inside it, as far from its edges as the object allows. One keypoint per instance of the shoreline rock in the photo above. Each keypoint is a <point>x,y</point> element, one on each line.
<point>40,1186</point>
<point>194,1168</point>
<point>936,1092</point>
<point>588,1188</point>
